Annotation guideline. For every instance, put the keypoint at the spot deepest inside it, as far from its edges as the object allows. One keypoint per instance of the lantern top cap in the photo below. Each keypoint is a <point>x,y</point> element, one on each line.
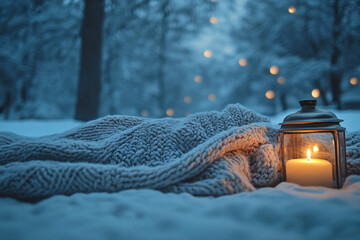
<point>307,103</point>
<point>309,116</point>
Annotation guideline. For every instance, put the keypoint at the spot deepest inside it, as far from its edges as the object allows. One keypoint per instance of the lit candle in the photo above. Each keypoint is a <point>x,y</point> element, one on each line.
<point>309,172</point>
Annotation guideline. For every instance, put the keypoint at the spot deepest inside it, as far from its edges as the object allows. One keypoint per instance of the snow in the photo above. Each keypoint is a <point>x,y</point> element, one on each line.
<point>284,212</point>
<point>37,128</point>
<point>287,211</point>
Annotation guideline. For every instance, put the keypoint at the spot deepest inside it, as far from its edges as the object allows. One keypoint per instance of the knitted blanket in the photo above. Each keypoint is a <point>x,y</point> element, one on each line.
<point>205,154</point>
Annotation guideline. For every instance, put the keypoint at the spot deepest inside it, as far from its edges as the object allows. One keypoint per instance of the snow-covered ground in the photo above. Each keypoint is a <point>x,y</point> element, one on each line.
<point>284,212</point>
<point>36,128</point>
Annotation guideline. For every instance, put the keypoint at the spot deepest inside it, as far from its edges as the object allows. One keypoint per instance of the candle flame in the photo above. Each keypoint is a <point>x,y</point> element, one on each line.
<point>316,149</point>
<point>308,154</point>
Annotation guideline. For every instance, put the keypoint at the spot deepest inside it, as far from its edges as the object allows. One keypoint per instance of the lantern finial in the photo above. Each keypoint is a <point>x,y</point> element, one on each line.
<point>308,104</point>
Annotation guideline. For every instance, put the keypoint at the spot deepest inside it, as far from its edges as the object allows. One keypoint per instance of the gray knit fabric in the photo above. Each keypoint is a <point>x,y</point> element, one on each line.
<point>205,154</point>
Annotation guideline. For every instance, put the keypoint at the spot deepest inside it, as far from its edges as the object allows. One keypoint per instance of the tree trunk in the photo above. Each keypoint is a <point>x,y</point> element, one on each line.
<point>30,59</point>
<point>89,85</point>
<point>323,96</point>
<point>335,83</point>
<point>283,102</point>
<point>5,107</point>
<point>110,85</point>
<point>335,74</point>
<point>162,56</point>
<point>322,92</point>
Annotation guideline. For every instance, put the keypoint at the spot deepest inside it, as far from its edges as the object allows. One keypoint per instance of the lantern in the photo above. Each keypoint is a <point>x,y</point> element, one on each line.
<point>312,147</point>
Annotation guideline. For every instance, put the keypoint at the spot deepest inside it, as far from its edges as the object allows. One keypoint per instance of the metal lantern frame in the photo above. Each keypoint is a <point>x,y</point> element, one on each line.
<point>310,120</point>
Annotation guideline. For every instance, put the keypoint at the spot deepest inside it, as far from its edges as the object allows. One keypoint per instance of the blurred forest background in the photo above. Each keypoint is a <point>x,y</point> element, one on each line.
<point>89,58</point>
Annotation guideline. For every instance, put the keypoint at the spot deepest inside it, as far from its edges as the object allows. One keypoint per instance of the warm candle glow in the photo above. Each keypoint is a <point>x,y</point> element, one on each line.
<point>316,149</point>
<point>274,70</point>
<point>292,9</point>
<point>309,171</point>
<point>305,172</point>
<point>207,53</point>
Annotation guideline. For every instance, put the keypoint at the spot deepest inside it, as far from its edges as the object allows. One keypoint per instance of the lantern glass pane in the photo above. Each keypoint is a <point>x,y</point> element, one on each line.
<point>342,162</point>
<point>310,159</point>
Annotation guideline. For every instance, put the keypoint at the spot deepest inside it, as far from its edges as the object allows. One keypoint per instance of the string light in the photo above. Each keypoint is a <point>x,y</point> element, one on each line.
<point>274,70</point>
<point>144,113</point>
<point>354,81</point>
<point>281,80</point>
<point>170,112</point>
<point>242,62</point>
<point>315,93</point>
<point>198,79</point>
<point>212,97</point>
<point>269,94</point>
<point>292,9</point>
<point>187,99</point>
<point>213,20</point>
<point>207,53</point>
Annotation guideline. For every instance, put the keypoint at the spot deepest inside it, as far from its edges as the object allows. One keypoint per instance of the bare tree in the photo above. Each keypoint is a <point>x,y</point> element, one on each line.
<point>335,74</point>
<point>162,54</point>
<point>90,68</point>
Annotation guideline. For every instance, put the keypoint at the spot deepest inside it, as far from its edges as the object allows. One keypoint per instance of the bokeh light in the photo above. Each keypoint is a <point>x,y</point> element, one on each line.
<point>212,97</point>
<point>281,80</point>
<point>315,93</point>
<point>207,53</point>
<point>292,9</point>
<point>213,20</point>
<point>270,94</point>
<point>242,62</point>
<point>187,99</point>
<point>198,79</point>
<point>354,81</point>
<point>144,113</point>
<point>170,112</point>
<point>274,70</point>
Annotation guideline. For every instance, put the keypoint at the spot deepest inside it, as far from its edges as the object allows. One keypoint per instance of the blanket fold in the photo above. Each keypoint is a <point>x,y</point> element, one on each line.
<point>213,153</point>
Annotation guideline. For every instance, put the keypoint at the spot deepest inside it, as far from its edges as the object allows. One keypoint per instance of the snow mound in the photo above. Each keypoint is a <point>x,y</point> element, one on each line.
<point>285,212</point>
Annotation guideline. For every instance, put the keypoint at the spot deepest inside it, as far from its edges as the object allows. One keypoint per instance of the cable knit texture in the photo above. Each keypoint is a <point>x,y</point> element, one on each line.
<point>205,154</point>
